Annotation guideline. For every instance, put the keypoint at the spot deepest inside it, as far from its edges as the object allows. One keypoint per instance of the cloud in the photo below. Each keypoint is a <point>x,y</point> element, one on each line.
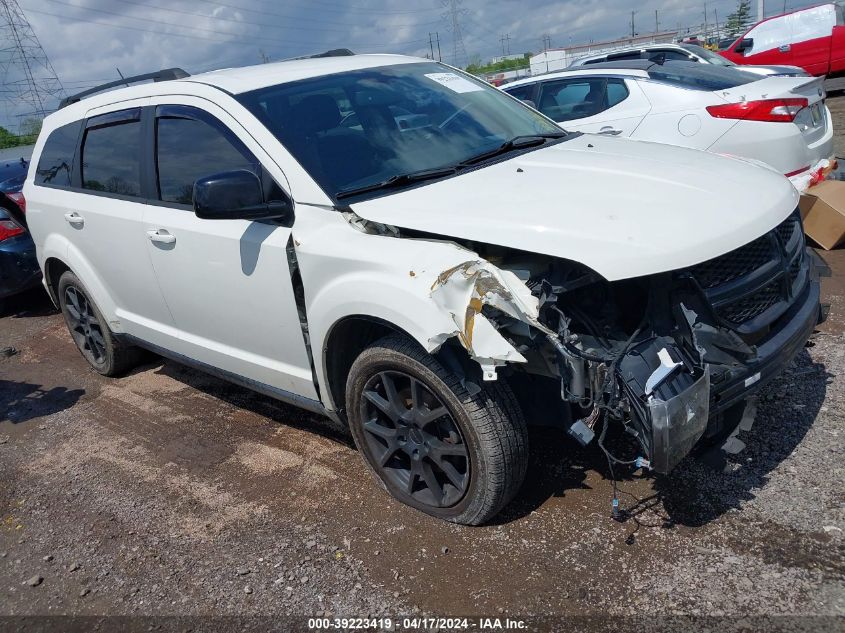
<point>88,40</point>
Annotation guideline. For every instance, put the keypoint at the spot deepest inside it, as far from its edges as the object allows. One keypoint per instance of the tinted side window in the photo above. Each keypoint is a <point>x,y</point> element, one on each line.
<point>667,55</point>
<point>625,56</point>
<point>617,92</point>
<point>111,157</point>
<point>188,149</point>
<point>569,99</point>
<point>56,160</point>
<point>521,92</point>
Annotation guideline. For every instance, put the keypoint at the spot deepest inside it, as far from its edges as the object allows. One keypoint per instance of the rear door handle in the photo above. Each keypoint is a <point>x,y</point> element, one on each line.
<point>784,48</point>
<point>74,218</point>
<point>162,236</point>
<point>609,131</point>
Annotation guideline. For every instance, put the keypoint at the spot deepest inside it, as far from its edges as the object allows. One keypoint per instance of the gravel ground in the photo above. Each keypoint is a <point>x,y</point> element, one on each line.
<point>171,493</point>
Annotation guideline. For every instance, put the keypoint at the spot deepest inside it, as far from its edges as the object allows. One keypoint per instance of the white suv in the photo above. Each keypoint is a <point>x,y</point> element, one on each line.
<point>397,245</point>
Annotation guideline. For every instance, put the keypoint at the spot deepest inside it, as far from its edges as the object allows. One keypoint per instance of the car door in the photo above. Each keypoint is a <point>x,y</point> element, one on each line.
<point>810,38</point>
<point>771,44</point>
<point>227,282</point>
<point>103,213</point>
<point>600,105</point>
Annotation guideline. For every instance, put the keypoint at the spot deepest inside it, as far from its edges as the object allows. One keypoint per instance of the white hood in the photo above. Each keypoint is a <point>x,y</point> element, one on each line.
<point>624,208</point>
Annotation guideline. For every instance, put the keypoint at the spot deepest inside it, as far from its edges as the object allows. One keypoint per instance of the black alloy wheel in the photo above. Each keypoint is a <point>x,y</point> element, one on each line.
<point>416,444</point>
<point>84,326</point>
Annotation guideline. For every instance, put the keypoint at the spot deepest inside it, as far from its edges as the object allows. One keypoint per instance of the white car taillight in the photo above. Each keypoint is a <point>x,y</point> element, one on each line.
<point>772,110</point>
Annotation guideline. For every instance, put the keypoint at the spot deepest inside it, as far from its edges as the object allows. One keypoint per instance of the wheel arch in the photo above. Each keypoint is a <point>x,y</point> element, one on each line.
<point>351,335</point>
<point>54,268</point>
<point>344,342</point>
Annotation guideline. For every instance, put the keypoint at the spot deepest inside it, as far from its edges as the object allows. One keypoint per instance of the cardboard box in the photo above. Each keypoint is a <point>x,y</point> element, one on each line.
<point>823,212</point>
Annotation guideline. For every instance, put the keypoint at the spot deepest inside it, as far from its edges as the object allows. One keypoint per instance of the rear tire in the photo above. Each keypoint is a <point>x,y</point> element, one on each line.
<point>462,465</point>
<point>89,330</point>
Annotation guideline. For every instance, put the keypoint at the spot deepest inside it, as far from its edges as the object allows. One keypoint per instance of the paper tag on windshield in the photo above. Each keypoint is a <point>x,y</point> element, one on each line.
<point>454,82</point>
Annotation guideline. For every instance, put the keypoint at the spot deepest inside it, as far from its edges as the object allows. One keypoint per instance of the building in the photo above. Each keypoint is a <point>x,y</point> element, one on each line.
<point>559,58</point>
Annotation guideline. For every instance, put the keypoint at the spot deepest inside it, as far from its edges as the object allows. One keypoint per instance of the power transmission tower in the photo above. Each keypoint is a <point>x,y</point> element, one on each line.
<point>31,87</point>
<point>506,38</point>
<point>454,13</point>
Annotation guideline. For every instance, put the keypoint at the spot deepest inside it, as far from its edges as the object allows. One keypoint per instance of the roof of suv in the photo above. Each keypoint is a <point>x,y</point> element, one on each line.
<point>246,78</point>
<point>236,80</point>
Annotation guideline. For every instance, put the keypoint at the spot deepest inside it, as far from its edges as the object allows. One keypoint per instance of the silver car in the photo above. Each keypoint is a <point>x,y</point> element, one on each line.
<point>684,53</point>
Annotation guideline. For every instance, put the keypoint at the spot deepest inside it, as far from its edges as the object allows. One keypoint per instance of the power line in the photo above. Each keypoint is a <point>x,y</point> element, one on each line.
<point>337,7</point>
<point>181,26</point>
<point>186,35</point>
<point>264,24</point>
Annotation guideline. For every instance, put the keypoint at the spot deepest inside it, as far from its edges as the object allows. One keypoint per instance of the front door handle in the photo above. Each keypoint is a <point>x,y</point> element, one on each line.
<point>161,236</point>
<point>784,48</point>
<point>609,131</point>
<point>74,218</point>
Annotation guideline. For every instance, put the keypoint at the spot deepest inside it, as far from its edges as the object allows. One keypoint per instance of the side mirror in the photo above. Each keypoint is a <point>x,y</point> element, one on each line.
<point>745,44</point>
<point>529,103</point>
<point>235,195</point>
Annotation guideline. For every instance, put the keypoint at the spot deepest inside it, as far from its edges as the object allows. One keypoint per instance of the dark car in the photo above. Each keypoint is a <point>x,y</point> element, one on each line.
<point>18,266</point>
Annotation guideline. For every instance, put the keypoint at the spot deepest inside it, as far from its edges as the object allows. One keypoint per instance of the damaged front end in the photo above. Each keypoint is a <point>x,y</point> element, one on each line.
<point>664,355</point>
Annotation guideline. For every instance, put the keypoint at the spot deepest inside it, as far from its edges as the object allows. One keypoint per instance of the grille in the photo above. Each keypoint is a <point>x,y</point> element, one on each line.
<point>787,228</point>
<point>733,265</point>
<point>738,265</point>
<point>753,305</point>
<point>795,268</point>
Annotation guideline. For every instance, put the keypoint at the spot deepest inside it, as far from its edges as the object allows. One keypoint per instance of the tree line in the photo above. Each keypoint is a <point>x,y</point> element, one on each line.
<point>29,130</point>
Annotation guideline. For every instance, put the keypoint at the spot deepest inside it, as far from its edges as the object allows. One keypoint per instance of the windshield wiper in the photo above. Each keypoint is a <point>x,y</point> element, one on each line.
<point>516,143</point>
<point>398,181</point>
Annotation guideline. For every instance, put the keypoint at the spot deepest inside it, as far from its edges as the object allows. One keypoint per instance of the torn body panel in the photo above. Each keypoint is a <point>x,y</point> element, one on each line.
<point>351,267</point>
<point>463,291</point>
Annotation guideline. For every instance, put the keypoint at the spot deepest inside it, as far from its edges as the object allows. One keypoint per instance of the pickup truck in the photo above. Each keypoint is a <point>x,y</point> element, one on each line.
<point>811,38</point>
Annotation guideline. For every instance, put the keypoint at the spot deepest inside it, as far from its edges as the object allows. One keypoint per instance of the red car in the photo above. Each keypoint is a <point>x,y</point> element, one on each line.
<point>811,38</point>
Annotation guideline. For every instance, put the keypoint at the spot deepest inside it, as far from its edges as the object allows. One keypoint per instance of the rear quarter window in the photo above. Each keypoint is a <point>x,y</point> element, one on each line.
<point>111,156</point>
<point>697,76</point>
<point>56,161</point>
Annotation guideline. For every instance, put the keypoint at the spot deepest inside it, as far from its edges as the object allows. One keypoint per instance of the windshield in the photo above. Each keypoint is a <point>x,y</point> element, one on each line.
<point>709,56</point>
<point>356,129</point>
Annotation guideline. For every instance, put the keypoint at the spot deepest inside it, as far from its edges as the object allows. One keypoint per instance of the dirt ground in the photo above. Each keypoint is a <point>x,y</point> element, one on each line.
<point>171,493</point>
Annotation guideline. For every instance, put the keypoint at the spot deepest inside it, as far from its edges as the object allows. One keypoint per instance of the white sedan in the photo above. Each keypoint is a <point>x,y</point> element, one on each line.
<point>781,121</point>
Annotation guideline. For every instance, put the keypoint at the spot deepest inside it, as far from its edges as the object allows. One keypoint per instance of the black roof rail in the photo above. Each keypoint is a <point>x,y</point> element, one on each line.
<point>162,75</point>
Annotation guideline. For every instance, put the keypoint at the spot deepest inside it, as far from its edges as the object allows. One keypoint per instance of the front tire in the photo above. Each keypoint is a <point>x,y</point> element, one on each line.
<point>431,443</point>
<point>89,330</point>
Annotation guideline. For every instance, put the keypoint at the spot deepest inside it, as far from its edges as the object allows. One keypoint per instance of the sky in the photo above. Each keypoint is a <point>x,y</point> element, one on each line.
<point>88,40</point>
